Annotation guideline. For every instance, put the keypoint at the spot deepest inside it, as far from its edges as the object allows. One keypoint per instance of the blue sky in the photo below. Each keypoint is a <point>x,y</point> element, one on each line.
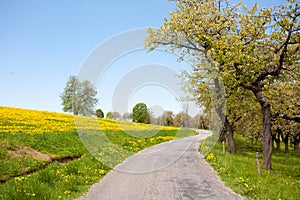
<point>42,43</point>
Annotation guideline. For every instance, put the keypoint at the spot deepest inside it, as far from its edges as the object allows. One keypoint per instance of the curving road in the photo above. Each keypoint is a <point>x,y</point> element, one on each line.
<point>172,170</point>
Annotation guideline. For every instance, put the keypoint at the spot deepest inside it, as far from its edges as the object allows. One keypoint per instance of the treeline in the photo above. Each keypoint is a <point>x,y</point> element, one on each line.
<point>168,118</point>
<point>246,66</point>
<point>142,114</point>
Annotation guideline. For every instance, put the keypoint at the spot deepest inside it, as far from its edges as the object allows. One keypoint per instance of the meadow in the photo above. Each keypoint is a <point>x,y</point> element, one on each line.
<point>47,155</point>
<point>239,171</point>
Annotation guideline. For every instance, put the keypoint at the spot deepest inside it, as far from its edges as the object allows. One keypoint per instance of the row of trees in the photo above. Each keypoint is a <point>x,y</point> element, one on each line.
<point>79,97</point>
<point>142,114</point>
<point>252,53</point>
<point>77,92</point>
<point>282,130</point>
<point>181,119</point>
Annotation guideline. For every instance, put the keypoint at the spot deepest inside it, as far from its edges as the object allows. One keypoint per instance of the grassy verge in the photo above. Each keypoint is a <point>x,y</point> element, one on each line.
<point>55,145</point>
<point>239,171</point>
<point>57,181</point>
<point>70,180</point>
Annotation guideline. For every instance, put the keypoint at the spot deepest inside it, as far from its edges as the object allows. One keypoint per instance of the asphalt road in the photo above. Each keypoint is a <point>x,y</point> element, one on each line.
<point>170,171</point>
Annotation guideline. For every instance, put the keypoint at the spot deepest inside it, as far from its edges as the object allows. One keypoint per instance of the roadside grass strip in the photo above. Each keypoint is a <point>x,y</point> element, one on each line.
<point>239,171</point>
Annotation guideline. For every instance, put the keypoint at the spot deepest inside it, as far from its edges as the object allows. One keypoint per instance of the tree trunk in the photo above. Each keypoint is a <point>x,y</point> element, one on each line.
<point>226,129</point>
<point>286,146</point>
<point>286,143</point>
<point>267,141</point>
<point>277,144</point>
<point>222,135</point>
<point>256,138</point>
<point>291,142</point>
<point>229,135</point>
<point>277,138</point>
<point>296,143</point>
<point>273,140</point>
<point>267,132</point>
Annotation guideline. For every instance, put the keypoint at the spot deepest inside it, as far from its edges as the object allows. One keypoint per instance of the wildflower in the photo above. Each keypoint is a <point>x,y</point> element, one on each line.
<point>222,169</point>
<point>37,122</point>
<point>210,157</point>
<point>67,192</point>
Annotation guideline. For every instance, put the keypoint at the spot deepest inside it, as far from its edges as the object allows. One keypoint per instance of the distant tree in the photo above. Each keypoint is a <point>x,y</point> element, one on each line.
<point>108,115</point>
<point>127,116</point>
<point>156,120</point>
<point>79,97</point>
<point>160,121</point>
<point>200,121</point>
<point>296,136</point>
<point>285,131</point>
<point>115,115</point>
<point>167,118</point>
<point>99,113</point>
<point>148,118</point>
<point>140,113</point>
<point>182,120</point>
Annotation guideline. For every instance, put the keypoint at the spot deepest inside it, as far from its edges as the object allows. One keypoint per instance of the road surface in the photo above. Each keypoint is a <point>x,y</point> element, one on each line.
<point>169,171</point>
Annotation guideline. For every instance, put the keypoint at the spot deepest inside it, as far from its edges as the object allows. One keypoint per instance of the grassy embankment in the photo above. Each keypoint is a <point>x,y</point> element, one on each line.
<point>42,156</point>
<point>239,171</point>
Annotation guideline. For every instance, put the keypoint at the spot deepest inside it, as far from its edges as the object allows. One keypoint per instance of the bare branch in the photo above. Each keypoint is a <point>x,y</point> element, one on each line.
<point>180,45</point>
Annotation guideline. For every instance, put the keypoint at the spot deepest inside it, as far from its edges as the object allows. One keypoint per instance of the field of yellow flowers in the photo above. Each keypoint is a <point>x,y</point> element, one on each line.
<point>47,155</point>
<point>16,120</point>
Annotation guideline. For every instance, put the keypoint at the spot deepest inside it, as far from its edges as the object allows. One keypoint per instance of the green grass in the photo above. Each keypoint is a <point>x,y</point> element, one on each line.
<point>239,172</point>
<point>53,180</point>
<point>57,181</point>
<point>56,145</point>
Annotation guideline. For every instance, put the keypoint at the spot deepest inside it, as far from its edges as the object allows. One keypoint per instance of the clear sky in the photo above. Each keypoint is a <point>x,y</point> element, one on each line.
<point>42,43</point>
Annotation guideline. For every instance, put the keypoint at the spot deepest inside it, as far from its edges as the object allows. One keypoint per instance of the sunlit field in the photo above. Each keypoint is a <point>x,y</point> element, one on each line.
<point>239,171</point>
<point>44,155</point>
<point>16,120</point>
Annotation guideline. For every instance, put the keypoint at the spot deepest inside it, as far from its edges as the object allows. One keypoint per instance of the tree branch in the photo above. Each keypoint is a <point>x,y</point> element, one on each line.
<point>180,45</point>
<point>290,118</point>
<point>274,71</point>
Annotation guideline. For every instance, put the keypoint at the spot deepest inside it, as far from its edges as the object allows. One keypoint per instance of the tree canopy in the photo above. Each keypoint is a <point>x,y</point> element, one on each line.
<point>99,113</point>
<point>79,97</point>
<point>127,116</point>
<point>140,113</point>
<point>249,51</point>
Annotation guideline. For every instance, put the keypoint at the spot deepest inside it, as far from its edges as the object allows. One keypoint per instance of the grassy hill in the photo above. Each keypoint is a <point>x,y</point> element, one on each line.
<point>47,155</point>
